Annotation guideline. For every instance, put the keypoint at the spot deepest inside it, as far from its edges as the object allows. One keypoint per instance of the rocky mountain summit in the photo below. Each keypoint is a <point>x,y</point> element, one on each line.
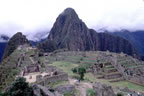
<point>14,42</point>
<point>72,33</point>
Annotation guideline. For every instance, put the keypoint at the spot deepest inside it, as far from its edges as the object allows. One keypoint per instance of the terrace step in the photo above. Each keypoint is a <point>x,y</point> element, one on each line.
<point>139,66</point>
<point>112,75</point>
<point>99,76</point>
<point>111,70</point>
<point>116,80</point>
<point>109,66</point>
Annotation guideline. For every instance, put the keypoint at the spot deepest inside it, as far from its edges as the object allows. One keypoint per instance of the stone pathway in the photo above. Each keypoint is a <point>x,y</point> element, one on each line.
<point>82,86</point>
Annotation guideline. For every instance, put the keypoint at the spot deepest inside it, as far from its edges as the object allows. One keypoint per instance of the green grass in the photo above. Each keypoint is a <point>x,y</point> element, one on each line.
<point>130,85</point>
<point>90,92</point>
<point>56,84</point>
<point>68,66</point>
<point>121,84</point>
<point>71,93</point>
<point>65,66</point>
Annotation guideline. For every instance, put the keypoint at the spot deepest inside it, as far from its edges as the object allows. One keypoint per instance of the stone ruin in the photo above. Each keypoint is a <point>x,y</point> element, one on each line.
<point>121,67</point>
<point>97,68</point>
<point>31,69</point>
<point>103,90</point>
<point>107,71</point>
<point>135,75</point>
<point>20,59</point>
<point>39,90</point>
<point>53,76</point>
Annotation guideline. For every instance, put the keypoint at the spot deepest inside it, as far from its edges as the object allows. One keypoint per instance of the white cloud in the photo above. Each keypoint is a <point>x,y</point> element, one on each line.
<point>30,15</point>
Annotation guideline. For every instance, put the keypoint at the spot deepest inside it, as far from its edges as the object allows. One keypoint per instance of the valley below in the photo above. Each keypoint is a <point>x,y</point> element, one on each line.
<point>58,66</point>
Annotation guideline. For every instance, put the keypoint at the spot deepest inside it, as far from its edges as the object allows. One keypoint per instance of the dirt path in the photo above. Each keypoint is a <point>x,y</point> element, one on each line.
<point>82,86</point>
<point>32,60</point>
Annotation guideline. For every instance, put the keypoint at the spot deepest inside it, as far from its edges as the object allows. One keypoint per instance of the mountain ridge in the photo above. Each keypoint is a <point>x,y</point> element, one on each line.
<point>135,37</point>
<point>72,33</point>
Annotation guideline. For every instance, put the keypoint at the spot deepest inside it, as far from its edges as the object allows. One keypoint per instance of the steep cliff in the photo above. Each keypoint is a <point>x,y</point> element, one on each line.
<point>71,32</point>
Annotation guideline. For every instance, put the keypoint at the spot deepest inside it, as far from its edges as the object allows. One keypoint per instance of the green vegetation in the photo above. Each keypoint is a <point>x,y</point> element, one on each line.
<point>81,71</point>
<point>120,94</point>
<point>19,88</point>
<point>122,84</point>
<point>90,92</point>
<point>65,66</point>
<point>56,84</point>
<point>69,93</point>
<point>69,63</point>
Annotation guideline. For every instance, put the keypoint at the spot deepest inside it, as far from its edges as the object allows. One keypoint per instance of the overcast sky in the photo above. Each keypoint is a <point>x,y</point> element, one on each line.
<point>32,16</point>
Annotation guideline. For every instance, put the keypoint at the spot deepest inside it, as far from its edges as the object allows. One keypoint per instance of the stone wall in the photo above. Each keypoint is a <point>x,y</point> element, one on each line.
<point>135,75</point>
<point>112,76</point>
<point>48,79</point>
<point>137,79</point>
<point>31,69</point>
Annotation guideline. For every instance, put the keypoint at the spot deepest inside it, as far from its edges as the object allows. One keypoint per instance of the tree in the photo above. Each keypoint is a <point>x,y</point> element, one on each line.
<point>20,88</point>
<point>81,72</point>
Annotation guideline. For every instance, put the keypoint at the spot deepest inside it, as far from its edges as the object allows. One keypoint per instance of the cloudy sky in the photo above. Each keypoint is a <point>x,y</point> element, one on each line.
<point>32,16</point>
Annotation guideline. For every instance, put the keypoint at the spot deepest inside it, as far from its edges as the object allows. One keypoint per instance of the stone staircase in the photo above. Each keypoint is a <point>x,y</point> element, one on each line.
<point>110,73</point>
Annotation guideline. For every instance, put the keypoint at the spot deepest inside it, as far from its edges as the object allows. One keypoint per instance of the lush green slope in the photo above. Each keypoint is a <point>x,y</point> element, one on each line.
<point>136,38</point>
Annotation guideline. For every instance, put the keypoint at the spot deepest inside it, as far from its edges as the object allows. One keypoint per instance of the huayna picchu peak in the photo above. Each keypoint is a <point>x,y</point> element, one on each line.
<point>72,33</point>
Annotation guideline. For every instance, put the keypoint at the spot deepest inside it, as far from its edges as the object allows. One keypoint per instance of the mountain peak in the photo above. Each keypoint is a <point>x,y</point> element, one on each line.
<point>14,42</point>
<point>19,33</point>
<point>71,33</point>
<point>69,13</point>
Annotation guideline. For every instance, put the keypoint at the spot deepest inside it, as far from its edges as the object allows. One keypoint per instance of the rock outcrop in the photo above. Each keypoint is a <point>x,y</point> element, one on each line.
<point>65,89</point>
<point>14,42</point>
<point>39,90</point>
<point>71,32</point>
<point>103,90</point>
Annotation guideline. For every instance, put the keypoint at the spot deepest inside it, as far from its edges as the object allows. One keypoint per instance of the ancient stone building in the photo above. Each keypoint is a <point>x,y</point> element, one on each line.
<point>32,68</point>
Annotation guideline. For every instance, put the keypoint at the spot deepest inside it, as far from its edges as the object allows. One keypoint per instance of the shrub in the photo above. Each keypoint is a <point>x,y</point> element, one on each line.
<point>74,70</point>
<point>19,88</point>
<point>120,94</point>
<point>81,71</point>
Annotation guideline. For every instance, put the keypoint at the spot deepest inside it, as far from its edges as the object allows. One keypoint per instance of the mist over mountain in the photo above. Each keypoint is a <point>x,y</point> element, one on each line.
<point>3,41</point>
<point>4,38</point>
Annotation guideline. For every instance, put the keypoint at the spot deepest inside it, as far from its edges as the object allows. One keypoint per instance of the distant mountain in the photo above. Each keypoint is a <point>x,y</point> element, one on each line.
<point>136,38</point>
<point>71,32</point>
<point>3,38</point>
<point>34,43</point>
<point>3,41</point>
<point>14,42</point>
